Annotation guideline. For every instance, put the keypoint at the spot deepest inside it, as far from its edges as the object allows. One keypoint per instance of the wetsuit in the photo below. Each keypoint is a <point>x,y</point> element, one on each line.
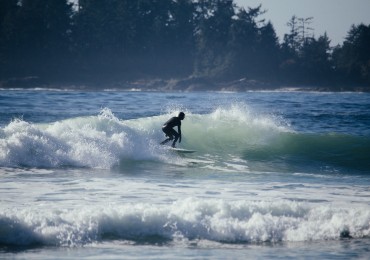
<point>167,128</point>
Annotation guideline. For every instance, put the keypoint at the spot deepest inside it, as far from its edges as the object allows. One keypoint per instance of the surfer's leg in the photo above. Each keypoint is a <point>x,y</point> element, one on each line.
<point>168,134</point>
<point>176,138</point>
<point>167,140</point>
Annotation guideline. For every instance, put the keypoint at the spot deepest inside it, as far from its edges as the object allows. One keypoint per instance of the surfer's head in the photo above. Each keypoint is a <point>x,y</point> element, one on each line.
<point>181,115</point>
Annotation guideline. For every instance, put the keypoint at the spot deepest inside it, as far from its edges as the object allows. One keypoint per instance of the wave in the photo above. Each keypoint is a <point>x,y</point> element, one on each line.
<point>304,150</point>
<point>94,141</point>
<point>261,141</point>
<point>184,220</point>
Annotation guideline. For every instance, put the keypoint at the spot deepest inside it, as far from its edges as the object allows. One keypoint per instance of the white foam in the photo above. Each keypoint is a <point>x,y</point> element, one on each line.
<point>191,218</point>
<point>96,141</point>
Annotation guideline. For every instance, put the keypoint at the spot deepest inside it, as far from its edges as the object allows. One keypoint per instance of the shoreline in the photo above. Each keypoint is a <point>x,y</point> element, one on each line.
<point>191,84</point>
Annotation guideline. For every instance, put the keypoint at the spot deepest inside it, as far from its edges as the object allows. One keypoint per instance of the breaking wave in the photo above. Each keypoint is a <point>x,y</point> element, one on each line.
<point>184,220</point>
<point>103,141</point>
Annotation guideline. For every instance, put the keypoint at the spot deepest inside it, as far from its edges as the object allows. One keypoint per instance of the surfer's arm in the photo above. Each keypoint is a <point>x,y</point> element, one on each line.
<point>179,130</point>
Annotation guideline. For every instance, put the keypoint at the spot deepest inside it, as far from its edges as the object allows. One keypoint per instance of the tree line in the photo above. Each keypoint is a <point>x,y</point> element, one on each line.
<point>93,40</point>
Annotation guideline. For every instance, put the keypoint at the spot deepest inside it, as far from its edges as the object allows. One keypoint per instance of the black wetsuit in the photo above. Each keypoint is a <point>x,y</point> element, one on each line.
<point>167,128</point>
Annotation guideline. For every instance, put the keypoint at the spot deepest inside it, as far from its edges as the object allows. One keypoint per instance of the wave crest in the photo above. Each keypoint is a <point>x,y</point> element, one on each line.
<point>188,219</point>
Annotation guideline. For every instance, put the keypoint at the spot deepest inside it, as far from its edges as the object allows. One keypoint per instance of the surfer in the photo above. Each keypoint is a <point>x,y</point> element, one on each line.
<point>167,128</point>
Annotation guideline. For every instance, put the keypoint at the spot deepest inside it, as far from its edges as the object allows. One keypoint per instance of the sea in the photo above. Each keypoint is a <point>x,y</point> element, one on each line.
<point>275,175</point>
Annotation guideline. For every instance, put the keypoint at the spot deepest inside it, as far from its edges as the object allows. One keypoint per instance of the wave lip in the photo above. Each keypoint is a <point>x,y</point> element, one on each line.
<point>185,220</point>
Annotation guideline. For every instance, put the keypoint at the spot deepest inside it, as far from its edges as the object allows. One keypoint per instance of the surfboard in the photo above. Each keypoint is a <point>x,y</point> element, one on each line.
<point>180,150</point>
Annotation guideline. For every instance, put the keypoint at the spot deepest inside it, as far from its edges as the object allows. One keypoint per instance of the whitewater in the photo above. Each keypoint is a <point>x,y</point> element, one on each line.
<point>275,175</point>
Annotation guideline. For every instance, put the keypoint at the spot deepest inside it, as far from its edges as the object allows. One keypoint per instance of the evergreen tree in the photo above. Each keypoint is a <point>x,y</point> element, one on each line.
<point>243,42</point>
<point>352,60</point>
<point>42,40</point>
<point>104,34</point>
<point>168,29</point>
<point>304,59</point>
<point>268,53</point>
<point>254,46</point>
<point>291,40</point>
<point>214,19</point>
<point>8,34</point>
<point>129,39</point>
<point>181,48</point>
<point>315,64</point>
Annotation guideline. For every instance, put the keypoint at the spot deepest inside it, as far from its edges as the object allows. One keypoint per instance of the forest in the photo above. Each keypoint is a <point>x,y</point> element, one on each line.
<point>94,42</point>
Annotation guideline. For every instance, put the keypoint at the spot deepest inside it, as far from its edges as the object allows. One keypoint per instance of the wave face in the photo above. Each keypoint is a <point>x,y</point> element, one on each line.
<point>270,140</point>
<point>336,151</point>
<point>104,141</point>
<point>184,220</point>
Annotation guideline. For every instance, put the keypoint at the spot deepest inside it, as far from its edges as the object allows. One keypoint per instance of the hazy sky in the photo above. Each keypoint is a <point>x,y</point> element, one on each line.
<point>332,16</point>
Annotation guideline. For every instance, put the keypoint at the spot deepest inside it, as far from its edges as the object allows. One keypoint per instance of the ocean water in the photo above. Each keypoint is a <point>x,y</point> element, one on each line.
<point>274,175</point>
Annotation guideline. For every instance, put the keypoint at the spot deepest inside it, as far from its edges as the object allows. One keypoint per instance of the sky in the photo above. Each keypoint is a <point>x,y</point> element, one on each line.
<point>335,17</point>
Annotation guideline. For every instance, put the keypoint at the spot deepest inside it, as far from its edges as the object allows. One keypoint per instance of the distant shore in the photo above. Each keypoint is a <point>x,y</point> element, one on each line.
<point>187,84</point>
